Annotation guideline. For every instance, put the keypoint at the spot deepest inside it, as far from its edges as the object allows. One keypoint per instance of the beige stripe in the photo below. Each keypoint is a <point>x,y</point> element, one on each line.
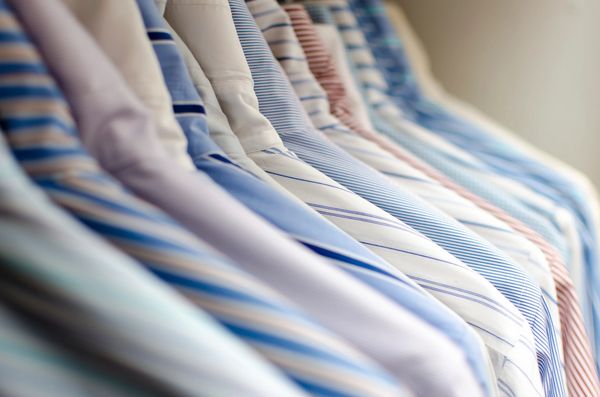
<point>28,107</point>
<point>10,52</point>
<point>8,21</point>
<point>48,136</point>
<point>26,79</point>
<point>337,376</point>
<point>40,168</point>
<point>285,327</point>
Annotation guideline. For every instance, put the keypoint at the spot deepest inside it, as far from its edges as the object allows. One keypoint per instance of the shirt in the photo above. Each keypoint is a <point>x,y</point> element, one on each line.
<point>218,125</point>
<point>207,211</point>
<point>416,55</point>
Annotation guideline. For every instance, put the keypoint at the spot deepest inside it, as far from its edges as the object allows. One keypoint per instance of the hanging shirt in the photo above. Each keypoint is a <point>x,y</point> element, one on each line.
<point>218,125</point>
<point>125,51</point>
<point>416,55</point>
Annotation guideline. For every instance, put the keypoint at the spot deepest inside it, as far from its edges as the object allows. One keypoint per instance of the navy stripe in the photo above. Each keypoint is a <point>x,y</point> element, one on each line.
<point>155,36</point>
<point>188,108</point>
<point>346,259</point>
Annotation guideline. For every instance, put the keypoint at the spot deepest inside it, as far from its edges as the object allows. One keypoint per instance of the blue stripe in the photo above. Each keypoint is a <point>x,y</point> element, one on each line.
<point>290,58</point>
<point>346,259</point>
<point>15,91</point>
<point>275,25</point>
<point>13,37</point>
<point>22,67</point>
<point>319,390</point>
<point>211,289</point>
<point>284,343</point>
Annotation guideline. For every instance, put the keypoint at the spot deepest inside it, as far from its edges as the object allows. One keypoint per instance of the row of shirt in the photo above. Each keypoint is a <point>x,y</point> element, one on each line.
<point>229,198</point>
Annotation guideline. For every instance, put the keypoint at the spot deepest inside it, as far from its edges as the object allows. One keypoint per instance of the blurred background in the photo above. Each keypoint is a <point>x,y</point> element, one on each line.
<point>533,66</point>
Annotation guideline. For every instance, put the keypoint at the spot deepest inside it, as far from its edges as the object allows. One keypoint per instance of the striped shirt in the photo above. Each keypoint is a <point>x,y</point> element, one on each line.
<point>124,52</point>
